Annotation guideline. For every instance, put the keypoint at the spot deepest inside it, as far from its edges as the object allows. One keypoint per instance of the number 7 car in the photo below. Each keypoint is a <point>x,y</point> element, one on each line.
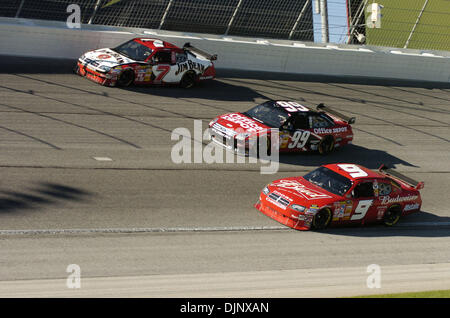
<point>341,194</point>
<point>147,61</point>
<point>300,129</point>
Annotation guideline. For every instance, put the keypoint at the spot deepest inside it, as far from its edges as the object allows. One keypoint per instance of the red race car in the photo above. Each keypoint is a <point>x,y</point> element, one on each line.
<point>147,61</point>
<point>300,128</point>
<point>341,194</point>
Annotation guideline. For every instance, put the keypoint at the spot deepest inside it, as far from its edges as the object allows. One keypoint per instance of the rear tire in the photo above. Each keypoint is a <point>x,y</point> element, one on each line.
<point>126,78</point>
<point>322,219</point>
<point>392,215</point>
<point>326,145</point>
<point>188,80</point>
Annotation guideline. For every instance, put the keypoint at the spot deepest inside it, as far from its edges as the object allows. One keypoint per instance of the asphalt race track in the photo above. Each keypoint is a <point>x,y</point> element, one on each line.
<point>87,178</point>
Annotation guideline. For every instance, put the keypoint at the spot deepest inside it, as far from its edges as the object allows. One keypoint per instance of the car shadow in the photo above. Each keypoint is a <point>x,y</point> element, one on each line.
<point>209,90</point>
<point>369,158</point>
<point>422,224</point>
<point>43,194</point>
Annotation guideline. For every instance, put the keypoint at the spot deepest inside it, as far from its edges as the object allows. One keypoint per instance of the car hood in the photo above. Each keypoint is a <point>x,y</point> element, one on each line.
<point>300,191</point>
<point>106,57</point>
<point>240,123</point>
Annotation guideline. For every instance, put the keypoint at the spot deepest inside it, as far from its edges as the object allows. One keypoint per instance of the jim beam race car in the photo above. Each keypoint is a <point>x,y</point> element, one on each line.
<point>300,128</point>
<point>147,61</point>
<point>341,194</point>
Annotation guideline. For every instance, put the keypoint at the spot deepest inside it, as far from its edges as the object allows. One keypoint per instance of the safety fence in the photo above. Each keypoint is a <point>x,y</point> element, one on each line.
<point>416,24</point>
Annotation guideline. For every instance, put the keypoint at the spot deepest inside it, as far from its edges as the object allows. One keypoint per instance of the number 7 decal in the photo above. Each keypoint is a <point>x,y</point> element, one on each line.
<point>164,70</point>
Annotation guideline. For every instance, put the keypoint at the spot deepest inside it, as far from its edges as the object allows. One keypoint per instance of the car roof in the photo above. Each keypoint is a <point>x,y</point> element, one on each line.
<point>303,109</point>
<point>155,44</point>
<point>339,168</point>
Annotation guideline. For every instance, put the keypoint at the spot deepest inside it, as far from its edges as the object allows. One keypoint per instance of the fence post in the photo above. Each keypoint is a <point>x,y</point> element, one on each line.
<point>324,19</point>
<point>299,18</point>
<point>232,17</point>
<point>19,9</point>
<point>165,14</point>
<point>415,25</point>
<point>95,11</point>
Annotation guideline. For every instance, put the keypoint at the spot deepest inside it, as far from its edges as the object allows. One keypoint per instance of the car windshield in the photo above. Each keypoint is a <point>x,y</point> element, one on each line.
<point>268,115</point>
<point>329,180</point>
<point>134,50</point>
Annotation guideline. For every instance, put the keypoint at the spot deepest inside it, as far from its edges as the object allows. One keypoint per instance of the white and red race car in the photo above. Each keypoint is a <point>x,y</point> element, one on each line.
<point>300,128</point>
<point>147,61</point>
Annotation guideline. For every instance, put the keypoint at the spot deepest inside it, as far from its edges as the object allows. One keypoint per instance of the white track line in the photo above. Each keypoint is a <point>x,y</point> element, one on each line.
<point>185,229</point>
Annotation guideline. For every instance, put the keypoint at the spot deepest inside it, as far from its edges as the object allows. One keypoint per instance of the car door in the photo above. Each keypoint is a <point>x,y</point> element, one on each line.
<point>364,201</point>
<point>162,65</point>
<point>295,133</point>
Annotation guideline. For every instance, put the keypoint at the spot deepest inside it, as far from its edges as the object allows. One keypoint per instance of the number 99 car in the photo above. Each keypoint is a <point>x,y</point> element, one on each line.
<point>300,129</point>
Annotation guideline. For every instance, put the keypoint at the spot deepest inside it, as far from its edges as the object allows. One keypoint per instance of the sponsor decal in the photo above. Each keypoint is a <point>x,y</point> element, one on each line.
<point>380,212</point>
<point>301,189</point>
<point>342,210</point>
<point>330,130</point>
<point>104,56</point>
<point>398,199</point>
<point>244,122</point>
<point>279,199</point>
<point>410,207</point>
<point>189,65</point>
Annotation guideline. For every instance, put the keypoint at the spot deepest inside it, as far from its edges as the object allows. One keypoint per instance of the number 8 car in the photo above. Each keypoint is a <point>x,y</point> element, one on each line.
<point>341,194</point>
<point>299,128</point>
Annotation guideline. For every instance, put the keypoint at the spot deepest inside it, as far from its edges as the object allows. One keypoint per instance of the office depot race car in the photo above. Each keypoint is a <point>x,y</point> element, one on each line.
<point>340,194</point>
<point>300,128</point>
<point>147,61</point>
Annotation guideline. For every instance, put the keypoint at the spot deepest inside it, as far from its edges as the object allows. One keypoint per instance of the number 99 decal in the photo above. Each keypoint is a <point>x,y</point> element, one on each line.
<point>299,139</point>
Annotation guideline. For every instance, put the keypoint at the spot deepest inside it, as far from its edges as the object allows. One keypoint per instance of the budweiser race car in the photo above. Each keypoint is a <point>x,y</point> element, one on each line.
<point>147,61</point>
<point>300,128</point>
<point>340,194</point>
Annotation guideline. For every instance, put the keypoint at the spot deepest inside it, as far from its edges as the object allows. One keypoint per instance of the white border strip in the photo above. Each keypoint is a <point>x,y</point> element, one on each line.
<point>187,229</point>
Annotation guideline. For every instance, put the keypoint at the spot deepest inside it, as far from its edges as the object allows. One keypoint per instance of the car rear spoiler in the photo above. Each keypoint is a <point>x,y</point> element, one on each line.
<point>391,172</point>
<point>188,47</point>
<point>348,120</point>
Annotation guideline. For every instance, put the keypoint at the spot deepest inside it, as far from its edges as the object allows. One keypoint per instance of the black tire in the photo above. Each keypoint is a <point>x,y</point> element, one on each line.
<point>392,215</point>
<point>322,219</point>
<point>188,80</point>
<point>326,145</point>
<point>126,78</point>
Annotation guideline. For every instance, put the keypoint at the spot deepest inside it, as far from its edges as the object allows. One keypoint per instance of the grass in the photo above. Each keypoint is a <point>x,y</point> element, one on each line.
<point>426,294</point>
<point>398,18</point>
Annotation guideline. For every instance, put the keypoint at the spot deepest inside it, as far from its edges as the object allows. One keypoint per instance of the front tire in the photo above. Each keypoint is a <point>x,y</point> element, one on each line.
<point>322,219</point>
<point>392,215</point>
<point>126,78</point>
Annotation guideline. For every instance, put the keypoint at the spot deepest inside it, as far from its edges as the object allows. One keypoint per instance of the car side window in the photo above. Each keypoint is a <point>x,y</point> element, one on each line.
<point>180,57</point>
<point>384,188</point>
<point>363,190</point>
<point>162,57</point>
<point>301,122</point>
<point>317,121</point>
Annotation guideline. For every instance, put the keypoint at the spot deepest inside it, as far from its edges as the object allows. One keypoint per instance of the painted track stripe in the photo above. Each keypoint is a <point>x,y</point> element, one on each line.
<point>185,229</point>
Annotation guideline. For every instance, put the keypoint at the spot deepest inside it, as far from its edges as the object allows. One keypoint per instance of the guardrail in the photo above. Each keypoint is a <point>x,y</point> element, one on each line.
<point>38,38</point>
